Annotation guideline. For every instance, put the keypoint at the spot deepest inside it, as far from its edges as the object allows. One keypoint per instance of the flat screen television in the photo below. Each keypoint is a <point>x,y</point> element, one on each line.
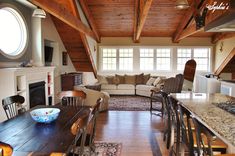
<point>48,55</point>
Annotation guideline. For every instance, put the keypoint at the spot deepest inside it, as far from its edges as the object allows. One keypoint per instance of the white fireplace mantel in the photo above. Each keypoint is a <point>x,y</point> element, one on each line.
<point>15,81</point>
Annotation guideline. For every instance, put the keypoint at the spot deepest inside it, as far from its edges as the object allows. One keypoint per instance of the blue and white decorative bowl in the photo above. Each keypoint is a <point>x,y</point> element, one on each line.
<point>45,115</point>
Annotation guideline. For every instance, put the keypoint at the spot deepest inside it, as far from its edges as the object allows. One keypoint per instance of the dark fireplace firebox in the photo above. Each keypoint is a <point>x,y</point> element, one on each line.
<point>37,94</point>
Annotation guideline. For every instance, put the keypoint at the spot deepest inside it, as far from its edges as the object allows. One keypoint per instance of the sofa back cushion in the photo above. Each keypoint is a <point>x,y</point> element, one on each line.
<point>146,78</point>
<point>112,80</point>
<point>130,79</point>
<point>121,78</point>
<point>102,79</point>
<point>139,79</point>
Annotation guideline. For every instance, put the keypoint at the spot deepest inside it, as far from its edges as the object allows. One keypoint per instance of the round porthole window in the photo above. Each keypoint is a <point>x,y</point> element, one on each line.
<point>13,33</point>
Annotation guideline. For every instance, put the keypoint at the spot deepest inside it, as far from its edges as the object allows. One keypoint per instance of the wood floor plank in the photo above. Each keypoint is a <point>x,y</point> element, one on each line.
<point>138,131</point>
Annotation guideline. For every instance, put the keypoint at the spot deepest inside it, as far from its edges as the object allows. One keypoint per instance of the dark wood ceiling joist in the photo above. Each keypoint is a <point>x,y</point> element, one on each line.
<point>90,19</point>
<point>62,13</point>
<point>141,11</point>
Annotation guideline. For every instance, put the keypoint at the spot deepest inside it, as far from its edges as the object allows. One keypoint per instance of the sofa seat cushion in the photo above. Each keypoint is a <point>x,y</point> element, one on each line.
<point>126,86</point>
<point>144,87</point>
<point>108,86</point>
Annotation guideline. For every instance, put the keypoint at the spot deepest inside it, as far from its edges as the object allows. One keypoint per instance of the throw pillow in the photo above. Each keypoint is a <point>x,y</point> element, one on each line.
<point>102,79</point>
<point>110,79</point>
<point>130,79</point>
<point>146,78</point>
<point>139,79</point>
<point>150,81</point>
<point>96,87</point>
<point>157,81</point>
<point>121,78</point>
<point>116,80</point>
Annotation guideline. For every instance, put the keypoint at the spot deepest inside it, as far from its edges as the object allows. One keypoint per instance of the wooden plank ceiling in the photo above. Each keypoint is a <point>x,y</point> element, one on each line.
<point>116,18</point>
<point>123,18</point>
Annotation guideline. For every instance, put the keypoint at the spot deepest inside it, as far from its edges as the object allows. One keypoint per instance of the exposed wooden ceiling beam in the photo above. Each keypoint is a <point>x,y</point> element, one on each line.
<point>90,18</point>
<point>181,31</point>
<point>221,36</point>
<point>141,11</point>
<point>185,20</point>
<point>57,10</point>
<point>83,37</point>
<point>189,31</point>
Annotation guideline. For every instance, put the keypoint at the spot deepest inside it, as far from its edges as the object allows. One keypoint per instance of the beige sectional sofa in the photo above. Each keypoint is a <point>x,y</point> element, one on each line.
<point>119,89</point>
<point>130,84</point>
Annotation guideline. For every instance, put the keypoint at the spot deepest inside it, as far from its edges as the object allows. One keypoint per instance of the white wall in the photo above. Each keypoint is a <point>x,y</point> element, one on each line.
<point>222,50</point>
<point>51,35</point>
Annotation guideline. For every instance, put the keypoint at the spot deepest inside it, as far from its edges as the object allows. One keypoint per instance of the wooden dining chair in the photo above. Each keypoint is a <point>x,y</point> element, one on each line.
<point>72,98</point>
<point>13,105</point>
<point>79,130</point>
<point>91,128</point>
<point>92,124</point>
<point>5,149</point>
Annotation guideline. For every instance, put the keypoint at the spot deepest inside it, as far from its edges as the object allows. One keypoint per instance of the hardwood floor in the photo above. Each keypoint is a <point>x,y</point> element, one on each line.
<point>138,131</point>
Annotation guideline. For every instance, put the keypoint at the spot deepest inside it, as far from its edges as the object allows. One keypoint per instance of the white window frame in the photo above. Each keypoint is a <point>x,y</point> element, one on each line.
<point>109,57</point>
<point>190,57</point>
<point>208,57</point>
<point>119,57</point>
<point>156,57</point>
<point>136,59</point>
<point>147,57</point>
<point>24,30</point>
<point>209,67</point>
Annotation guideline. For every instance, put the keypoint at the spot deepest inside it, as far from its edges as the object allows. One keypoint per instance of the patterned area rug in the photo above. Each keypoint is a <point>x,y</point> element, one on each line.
<point>131,103</point>
<point>105,149</point>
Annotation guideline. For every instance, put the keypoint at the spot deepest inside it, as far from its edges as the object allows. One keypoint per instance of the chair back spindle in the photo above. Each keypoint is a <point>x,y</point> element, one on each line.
<point>12,105</point>
<point>72,98</point>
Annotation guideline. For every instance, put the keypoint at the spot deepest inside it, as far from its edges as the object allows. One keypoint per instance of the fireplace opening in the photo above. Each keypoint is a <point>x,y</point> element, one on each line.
<point>37,94</point>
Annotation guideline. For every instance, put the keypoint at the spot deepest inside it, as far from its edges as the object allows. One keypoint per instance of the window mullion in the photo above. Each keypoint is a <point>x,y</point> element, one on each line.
<point>117,59</point>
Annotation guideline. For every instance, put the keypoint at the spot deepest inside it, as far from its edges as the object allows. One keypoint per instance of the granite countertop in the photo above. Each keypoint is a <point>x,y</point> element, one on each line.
<point>220,121</point>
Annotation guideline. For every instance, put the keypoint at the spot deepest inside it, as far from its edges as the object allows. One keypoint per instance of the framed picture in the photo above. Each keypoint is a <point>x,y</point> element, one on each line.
<point>64,58</point>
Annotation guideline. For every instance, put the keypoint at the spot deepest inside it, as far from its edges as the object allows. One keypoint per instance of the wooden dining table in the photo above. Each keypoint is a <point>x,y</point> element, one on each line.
<point>205,109</point>
<point>27,136</point>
